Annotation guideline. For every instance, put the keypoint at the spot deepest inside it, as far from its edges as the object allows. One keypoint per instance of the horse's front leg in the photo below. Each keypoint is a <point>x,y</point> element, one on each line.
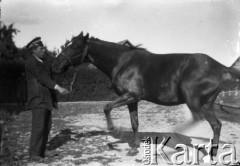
<point>133,110</point>
<point>121,101</point>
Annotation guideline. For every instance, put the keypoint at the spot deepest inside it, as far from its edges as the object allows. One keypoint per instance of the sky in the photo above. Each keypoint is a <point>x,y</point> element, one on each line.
<point>161,26</point>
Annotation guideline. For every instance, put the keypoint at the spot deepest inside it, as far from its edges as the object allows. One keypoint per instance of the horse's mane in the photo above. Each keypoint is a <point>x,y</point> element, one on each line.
<point>136,47</point>
<point>132,47</point>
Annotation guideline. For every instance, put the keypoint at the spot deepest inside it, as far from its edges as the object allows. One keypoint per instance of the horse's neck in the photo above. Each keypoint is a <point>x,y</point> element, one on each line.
<point>103,56</point>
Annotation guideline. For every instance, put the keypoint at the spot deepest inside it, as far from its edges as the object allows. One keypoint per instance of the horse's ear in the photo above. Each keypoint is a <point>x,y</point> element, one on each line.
<point>81,34</point>
<point>86,37</point>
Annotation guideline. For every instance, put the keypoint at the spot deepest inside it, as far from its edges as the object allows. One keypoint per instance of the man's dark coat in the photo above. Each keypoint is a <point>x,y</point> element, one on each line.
<point>41,93</point>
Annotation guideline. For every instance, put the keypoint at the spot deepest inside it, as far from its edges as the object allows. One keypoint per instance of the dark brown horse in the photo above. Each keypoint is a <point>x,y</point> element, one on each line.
<point>166,79</point>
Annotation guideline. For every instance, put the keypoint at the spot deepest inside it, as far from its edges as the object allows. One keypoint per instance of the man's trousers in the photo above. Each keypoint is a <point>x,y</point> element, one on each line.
<point>41,126</point>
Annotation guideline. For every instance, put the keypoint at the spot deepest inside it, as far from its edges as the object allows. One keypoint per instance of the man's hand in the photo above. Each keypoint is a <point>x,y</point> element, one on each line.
<point>61,90</point>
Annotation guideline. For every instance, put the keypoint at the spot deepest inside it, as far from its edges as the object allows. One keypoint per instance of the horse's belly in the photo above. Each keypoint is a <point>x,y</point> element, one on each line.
<point>169,100</point>
<point>165,101</point>
<point>169,95</point>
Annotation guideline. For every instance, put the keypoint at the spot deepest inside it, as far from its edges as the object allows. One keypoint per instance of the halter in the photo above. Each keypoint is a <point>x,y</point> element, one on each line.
<point>83,55</point>
<point>71,61</point>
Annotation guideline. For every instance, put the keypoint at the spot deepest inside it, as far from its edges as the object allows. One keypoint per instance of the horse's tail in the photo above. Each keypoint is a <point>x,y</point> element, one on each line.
<point>230,79</point>
<point>234,71</point>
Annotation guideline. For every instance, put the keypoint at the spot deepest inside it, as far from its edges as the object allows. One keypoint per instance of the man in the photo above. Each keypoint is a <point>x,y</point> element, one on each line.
<point>41,99</point>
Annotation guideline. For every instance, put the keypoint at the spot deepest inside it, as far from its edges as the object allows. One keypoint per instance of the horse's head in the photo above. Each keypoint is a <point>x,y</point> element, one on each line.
<point>72,55</point>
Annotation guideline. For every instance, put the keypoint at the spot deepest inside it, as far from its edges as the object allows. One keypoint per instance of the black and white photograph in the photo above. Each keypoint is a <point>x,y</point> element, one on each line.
<point>119,82</point>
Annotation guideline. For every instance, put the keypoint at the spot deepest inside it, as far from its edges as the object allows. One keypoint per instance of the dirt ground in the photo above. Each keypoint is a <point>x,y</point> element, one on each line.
<point>80,136</point>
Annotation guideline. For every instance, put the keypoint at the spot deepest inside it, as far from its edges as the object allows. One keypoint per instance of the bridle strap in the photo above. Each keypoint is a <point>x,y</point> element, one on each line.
<point>73,60</point>
<point>84,54</point>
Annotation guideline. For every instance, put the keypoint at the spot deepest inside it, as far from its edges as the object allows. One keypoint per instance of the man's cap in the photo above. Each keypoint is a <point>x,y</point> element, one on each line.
<point>36,42</point>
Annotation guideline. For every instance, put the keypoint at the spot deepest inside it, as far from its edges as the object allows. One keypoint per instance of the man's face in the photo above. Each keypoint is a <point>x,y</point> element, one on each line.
<point>39,52</point>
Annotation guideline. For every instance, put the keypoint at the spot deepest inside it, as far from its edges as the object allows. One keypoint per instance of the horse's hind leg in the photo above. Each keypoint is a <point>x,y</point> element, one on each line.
<point>208,114</point>
<point>215,124</point>
<point>133,110</point>
<point>121,101</point>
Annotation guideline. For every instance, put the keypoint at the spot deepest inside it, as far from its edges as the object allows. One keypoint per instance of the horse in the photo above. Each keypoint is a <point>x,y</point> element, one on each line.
<point>166,79</point>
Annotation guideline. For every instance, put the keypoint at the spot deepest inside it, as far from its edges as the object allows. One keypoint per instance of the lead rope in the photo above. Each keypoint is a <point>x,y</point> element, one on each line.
<point>75,73</point>
<point>71,84</point>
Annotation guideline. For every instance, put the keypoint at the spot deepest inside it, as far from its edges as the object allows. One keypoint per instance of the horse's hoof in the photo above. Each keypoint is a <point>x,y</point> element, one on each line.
<point>111,128</point>
<point>132,152</point>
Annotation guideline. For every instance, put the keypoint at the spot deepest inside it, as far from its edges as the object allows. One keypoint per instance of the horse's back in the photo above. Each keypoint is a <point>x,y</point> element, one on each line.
<point>182,77</point>
<point>165,78</point>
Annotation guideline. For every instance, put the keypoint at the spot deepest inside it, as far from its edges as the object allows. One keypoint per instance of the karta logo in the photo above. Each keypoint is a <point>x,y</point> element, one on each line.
<point>153,150</point>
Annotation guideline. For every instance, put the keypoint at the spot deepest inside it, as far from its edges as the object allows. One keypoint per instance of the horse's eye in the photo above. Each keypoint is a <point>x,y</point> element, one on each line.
<point>75,46</point>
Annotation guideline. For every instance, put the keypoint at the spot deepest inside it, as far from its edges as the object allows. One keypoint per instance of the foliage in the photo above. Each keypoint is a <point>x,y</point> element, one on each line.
<point>11,63</point>
<point>7,45</point>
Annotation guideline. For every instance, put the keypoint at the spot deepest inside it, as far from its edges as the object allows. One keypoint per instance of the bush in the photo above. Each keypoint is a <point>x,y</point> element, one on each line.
<point>12,81</point>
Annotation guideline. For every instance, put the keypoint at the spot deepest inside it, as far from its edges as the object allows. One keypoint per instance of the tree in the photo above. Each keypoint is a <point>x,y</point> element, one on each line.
<point>7,46</point>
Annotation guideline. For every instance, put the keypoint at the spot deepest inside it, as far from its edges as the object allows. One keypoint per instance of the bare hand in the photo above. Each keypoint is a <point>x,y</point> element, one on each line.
<point>61,90</point>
